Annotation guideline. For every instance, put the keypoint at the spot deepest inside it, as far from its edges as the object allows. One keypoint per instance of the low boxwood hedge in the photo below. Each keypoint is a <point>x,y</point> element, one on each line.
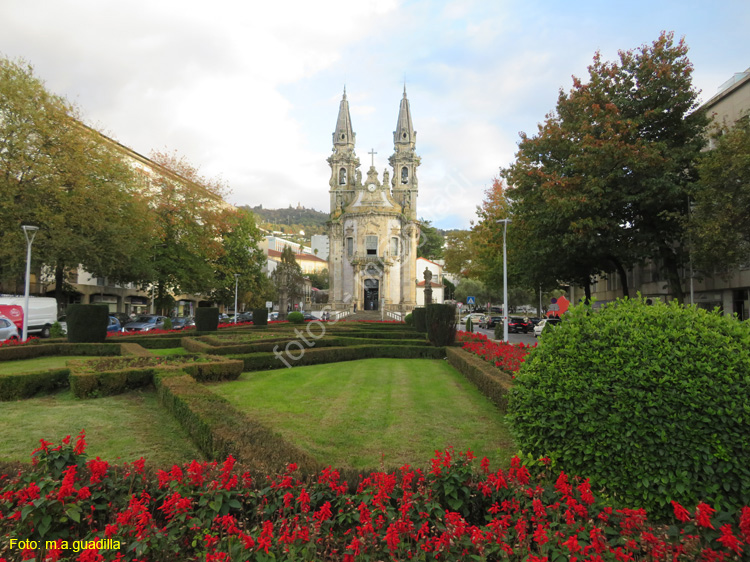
<point>32,351</point>
<point>26,385</point>
<point>314,356</point>
<point>490,381</point>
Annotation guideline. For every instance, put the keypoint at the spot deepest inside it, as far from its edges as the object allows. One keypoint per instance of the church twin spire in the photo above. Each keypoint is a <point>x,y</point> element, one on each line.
<point>344,134</point>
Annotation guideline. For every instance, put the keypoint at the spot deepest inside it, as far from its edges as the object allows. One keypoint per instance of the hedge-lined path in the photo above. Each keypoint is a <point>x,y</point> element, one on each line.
<point>358,414</point>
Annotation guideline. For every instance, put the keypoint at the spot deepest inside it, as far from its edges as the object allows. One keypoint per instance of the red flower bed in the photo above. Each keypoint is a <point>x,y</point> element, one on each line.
<point>503,355</point>
<point>215,512</point>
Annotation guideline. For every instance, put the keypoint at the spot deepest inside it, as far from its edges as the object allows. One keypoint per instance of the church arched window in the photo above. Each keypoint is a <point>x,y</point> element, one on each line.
<point>394,246</point>
<point>404,175</point>
<point>349,247</point>
<point>342,176</point>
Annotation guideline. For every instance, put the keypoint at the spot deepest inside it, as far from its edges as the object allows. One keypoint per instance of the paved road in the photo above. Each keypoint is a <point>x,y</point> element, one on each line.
<point>527,339</point>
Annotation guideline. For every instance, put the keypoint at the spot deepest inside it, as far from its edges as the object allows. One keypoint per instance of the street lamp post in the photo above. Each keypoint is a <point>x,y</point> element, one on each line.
<point>236,285</point>
<point>29,232</point>
<point>505,280</point>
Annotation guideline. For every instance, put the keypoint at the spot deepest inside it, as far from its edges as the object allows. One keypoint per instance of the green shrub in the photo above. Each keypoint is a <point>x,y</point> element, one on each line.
<point>87,323</point>
<point>295,317</point>
<point>56,331</point>
<point>206,319</point>
<point>420,320</point>
<point>167,324</point>
<point>409,319</point>
<point>650,402</point>
<point>441,324</point>
<point>469,325</point>
<point>499,331</point>
<point>260,316</point>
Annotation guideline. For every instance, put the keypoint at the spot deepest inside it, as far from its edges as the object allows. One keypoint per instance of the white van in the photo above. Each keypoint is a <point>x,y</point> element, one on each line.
<point>42,313</point>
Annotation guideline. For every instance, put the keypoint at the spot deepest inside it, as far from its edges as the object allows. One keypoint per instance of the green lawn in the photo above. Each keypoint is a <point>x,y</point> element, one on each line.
<point>127,426</point>
<point>33,365</point>
<point>360,414</point>
<point>169,351</point>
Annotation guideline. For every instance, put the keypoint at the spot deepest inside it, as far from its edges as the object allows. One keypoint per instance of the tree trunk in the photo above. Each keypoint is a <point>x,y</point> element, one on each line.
<point>673,274</point>
<point>59,284</point>
<point>622,274</point>
<point>587,292</point>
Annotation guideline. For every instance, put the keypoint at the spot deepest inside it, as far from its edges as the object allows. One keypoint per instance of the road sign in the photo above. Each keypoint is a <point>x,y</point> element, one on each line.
<point>269,304</point>
<point>470,300</point>
<point>459,305</point>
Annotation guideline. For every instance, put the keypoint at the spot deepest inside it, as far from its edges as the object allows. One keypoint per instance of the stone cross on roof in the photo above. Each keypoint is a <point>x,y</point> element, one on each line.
<point>372,153</point>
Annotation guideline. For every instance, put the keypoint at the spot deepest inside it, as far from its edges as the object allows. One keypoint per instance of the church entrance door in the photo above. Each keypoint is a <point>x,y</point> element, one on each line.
<point>372,294</point>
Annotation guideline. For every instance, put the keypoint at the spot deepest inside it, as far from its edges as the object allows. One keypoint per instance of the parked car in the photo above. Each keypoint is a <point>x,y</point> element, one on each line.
<point>114,324</point>
<point>245,317</point>
<point>308,317</point>
<point>273,316</point>
<point>42,313</point>
<point>8,330</point>
<point>121,316</point>
<point>490,321</point>
<point>182,322</point>
<point>145,323</point>
<point>475,317</point>
<point>539,328</point>
<point>517,325</point>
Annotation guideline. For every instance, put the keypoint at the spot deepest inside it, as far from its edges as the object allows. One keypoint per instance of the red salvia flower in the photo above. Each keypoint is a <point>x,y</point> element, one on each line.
<point>680,512</point>
<point>703,513</point>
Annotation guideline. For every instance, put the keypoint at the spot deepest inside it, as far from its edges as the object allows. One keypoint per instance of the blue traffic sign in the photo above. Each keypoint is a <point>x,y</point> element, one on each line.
<point>470,300</point>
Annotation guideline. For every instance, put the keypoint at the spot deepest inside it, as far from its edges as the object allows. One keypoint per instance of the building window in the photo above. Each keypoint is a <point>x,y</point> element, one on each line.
<point>371,245</point>
<point>350,247</point>
<point>394,246</point>
<point>342,176</point>
<point>404,175</point>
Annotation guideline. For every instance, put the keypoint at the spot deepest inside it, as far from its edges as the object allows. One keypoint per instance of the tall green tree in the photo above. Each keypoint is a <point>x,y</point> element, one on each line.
<point>70,181</point>
<point>287,278</point>
<point>604,183</point>
<point>719,231</point>
<point>190,215</point>
<point>239,254</point>
<point>430,243</point>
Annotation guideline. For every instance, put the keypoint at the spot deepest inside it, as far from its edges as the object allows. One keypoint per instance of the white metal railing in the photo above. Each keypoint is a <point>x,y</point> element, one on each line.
<point>394,315</point>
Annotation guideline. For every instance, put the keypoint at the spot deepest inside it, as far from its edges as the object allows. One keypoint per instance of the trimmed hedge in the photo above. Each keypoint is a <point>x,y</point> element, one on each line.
<point>92,381</point>
<point>108,383</point>
<point>649,401</point>
<point>26,385</point>
<point>31,351</point>
<point>441,324</point>
<point>87,323</point>
<point>207,319</point>
<point>218,429</point>
<point>420,319</point>
<point>313,356</point>
<point>260,316</point>
<point>490,381</point>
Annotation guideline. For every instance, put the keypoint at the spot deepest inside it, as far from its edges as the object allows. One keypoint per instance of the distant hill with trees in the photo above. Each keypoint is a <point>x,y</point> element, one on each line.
<point>291,220</point>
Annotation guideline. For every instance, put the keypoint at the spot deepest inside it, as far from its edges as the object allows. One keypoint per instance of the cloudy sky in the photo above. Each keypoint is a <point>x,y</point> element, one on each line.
<point>249,91</point>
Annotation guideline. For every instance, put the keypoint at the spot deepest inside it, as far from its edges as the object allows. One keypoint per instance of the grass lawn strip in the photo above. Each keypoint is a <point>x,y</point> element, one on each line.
<point>129,426</point>
<point>34,365</point>
<point>359,413</point>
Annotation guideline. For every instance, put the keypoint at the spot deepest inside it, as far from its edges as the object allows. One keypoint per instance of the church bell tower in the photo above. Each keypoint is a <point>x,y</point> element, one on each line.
<point>404,160</point>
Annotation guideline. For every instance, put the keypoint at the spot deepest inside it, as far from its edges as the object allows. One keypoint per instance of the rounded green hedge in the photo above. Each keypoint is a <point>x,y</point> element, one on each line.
<point>87,323</point>
<point>649,401</point>
<point>295,317</point>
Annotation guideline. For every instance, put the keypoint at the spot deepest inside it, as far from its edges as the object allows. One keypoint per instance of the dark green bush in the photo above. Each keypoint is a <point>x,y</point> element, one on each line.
<point>409,319</point>
<point>420,319</point>
<point>87,323</point>
<point>206,319</point>
<point>260,316</point>
<point>167,324</point>
<point>295,317</point>
<point>469,325</point>
<point>441,324</point>
<point>650,402</point>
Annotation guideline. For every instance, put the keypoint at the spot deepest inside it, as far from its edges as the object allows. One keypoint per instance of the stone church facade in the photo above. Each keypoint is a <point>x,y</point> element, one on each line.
<point>373,227</point>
